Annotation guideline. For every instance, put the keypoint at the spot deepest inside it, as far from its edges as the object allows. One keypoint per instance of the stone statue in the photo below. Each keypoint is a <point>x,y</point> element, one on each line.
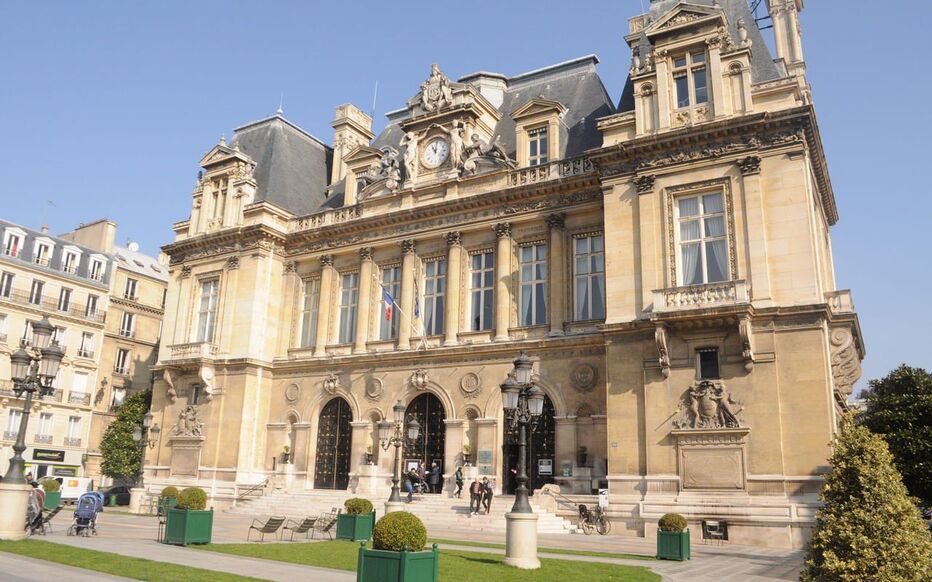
<point>188,422</point>
<point>410,160</point>
<point>389,168</point>
<point>635,60</point>
<point>436,91</point>
<point>743,40</point>
<point>483,149</point>
<point>708,405</point>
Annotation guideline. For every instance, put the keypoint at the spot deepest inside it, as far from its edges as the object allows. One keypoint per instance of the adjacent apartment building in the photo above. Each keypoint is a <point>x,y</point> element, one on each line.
<point>665,257</point>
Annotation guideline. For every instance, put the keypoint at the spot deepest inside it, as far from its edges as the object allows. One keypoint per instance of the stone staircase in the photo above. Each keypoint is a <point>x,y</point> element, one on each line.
<point>438,512</point>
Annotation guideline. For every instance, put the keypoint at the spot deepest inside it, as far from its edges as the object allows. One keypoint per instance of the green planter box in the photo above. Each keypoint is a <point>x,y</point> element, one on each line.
<point>186,526</point>
<point>673,545</point>
<point>166,503</point>
<point>52,499</point>
<point>387,566</point>
<point>355,527</point>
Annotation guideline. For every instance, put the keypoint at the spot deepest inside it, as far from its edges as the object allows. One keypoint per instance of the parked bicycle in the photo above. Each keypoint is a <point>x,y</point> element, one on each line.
<point>594,520</point>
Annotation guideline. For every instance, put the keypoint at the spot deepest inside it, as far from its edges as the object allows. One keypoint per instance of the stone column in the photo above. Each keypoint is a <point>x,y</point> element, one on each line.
<point>777,17</point>
<point>557,266</point>
<point>364,300</point>
<point>715,77</point>
<point>452,455</point>
<point>327,279</point>
<point>405,319</point>
<point>451,322</point>
<point>503,281</point>
<point>758,253</point>
<point>358,467</point>
<point>564,438</point>
<point>598,452</point>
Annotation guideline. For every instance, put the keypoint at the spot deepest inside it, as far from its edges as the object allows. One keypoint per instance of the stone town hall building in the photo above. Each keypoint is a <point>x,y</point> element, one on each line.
<point>665,259</point>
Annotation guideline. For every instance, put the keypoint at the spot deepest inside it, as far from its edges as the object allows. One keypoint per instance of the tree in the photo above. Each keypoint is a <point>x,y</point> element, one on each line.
<point>121,454</point>
<point>899,408</point>
<point>868,527</point>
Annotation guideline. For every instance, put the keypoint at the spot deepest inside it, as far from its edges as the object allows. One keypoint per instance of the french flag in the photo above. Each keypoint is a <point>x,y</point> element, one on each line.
<point>389,302</point>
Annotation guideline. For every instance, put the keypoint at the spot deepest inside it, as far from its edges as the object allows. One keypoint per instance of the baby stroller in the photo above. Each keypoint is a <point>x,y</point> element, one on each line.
<point>85,514</point>
<point>34,511</point>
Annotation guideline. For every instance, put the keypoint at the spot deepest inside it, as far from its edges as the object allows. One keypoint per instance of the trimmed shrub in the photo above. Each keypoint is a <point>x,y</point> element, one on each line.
<point>192,498</point>
<point>398,530</point>
<point>358,506</point>
<point>169,492</point>
<point>51,485</point>
<point>868,527</point>
<point>673,522</point>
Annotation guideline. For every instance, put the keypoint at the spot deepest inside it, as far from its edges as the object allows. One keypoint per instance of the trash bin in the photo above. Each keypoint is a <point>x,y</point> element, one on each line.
<point>113,501</point>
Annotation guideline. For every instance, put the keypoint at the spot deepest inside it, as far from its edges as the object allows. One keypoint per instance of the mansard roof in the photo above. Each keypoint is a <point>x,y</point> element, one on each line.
<point>763,67</point>
<point>292,166</point>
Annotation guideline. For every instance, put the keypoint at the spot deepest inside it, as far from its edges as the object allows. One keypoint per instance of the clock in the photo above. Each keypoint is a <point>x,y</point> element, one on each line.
<point>435,153</point>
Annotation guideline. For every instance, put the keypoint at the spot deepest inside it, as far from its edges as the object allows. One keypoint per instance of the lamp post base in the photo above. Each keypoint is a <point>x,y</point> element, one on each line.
<point>392,506</point>
<point>521,541</point>
<point>136,495</point>
<point>14,499</point>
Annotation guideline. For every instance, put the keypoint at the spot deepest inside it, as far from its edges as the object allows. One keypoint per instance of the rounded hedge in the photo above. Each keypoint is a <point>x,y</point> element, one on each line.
<point>358,506</point>
<point>51,485</point>
<point>399,530</point>
<point>169,492</point>
<point>672,522</point>
<point>192,498</point>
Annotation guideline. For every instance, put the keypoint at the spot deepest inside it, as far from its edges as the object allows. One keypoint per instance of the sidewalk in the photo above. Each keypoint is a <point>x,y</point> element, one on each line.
<point>17,568</point>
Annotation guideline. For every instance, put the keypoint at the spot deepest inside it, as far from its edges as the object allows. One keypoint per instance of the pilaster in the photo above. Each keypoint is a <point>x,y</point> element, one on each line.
<point>453,449</point>
<point>405,321</point>
<point>327,277</point>
<point>758,253</point>
<point>557,266</point>
<point>451,323</point>
<point>364,305</point>
<point>503,281</point>
<point>663,89</point>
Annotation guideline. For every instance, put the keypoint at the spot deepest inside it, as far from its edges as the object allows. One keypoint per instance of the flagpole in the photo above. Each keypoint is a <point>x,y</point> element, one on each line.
<point>401,312</point>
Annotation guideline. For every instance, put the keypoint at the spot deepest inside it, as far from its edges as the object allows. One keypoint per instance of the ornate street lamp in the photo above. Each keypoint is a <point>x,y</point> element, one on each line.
<point>393,434</point>
<point>523,403</point>
<point>142,438</point>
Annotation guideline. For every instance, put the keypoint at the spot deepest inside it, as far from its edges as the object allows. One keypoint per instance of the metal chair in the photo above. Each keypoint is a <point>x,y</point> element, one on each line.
<point>47,520</point>
<point>271,526</point>
<point>299,527</point>
<point>715,531</point>
<point>325,524</point>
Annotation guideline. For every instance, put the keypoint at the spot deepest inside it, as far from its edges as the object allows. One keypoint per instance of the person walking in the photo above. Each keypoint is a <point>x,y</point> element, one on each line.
<point>458,479</point>
<point>475,496</point>
<point>433,478</point>
<point>410,477</point>
<point>421,472</point>
<point>487,494</point>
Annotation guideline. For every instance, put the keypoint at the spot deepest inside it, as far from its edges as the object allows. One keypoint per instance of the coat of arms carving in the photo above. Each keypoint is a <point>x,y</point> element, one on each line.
<point>436,91</point>
<point>708,405</point>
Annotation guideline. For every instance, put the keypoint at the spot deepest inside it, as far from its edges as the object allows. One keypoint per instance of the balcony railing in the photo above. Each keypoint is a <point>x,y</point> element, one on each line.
<point>10,435</point>
<point>44,261</point>
<point>72,442</point>
<point>128,333</point>
<point>42,439</point>
<point>2,338</point>
<point>86,353</point>
<point>121,370</point>
<point>701,296</point>
<point>6,388</point>
<point>55,396</point>
<point>193,350</point>
<point>25,298</point>
<point>550,171</point>
<point>840,301</point>
<point>83,398</point>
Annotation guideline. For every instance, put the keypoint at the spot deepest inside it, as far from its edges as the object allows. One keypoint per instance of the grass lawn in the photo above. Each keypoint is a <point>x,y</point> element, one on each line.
<point>549,550</point>
<point>454,564</point>
<point>116,564</point>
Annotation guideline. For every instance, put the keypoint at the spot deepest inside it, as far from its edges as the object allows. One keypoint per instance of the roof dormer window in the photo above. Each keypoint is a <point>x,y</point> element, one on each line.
<point>538,142</point>
<point>12,243</point>
<point>690,79</point>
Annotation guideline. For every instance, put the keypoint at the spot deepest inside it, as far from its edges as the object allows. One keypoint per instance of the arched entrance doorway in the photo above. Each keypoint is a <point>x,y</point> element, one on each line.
<point>334,442</point>
<point>429,446</point>
<point>541,452</point>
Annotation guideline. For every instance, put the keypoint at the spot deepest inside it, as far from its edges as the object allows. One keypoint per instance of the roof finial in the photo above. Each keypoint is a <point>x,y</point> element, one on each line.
<point>223,140</point>
<point>281,101</point>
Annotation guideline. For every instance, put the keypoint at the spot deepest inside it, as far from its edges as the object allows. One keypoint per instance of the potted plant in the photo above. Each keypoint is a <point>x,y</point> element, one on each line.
<point>672,538</point>
<point>52,493</point>
<point>368,454</point>
<point>187,522</point>
<point>581,457</point>
<point>168,498</point>
<point>356,523</point>
<point>397,541</point>
<point>466,451</point>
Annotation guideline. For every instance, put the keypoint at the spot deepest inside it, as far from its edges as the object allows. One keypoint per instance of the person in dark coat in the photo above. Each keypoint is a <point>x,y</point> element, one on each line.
<point>458,479</point>
<point>410,478</point>
<point>487,494</point>
<point>433,478</point>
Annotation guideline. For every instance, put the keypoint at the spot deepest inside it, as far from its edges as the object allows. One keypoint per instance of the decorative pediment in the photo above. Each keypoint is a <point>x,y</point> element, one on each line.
<point>362,154</point>
<point>538,106</point>
<point>221,153</point>
<point>686,15</point>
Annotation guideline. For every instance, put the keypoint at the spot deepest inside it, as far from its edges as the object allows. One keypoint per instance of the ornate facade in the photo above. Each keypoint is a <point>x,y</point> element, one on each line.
<point>666,259</point>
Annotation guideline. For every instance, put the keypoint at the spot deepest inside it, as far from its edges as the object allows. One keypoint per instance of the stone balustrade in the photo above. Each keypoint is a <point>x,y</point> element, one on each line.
<point>701,296</point>
<point>193,350</point>
<point>552,171</point>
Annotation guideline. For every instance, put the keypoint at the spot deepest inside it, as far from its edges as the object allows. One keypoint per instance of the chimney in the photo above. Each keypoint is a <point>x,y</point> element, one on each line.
<point>99,235</point>
<point>490,85</point>
<point>351,128</point>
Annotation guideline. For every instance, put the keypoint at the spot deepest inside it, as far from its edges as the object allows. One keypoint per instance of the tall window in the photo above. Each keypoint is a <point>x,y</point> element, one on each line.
<point>533,300</point>
<point>74,428</point>
<point>128,324</point>
<point>707,365</point>
<point>482,285</point>
<point>2,327</point>
<point>689,77</point>
<point>91,309</point>
<point>589,275</point>
<point>64,299</point>
<point>86,349</point>
<point>6,284</point>
<point>79,383</point>
<point>43,253</point>
<point>129,292</point>
<point>703,244</point>
<point>35,293</point>
<point>27,333</point>
<point>13,420</point>
<point>207,310</point>
<point>435,282</point>
<point>45,424</point>
<point>58,336</point>
<point>97,270</point>
<point>349,297</point>
<point>12,244</point>
<point>391,282</point>
<point>70,262</point>
<point>309,304</point>
<point>538,146</point>
<point>121,364</point>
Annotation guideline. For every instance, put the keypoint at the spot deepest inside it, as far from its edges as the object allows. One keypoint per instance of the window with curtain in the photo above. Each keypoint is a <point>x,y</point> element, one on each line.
<point>45,424</point>
<point>702,239</point>
<point>74,427</point>
<point>533,272</point>
<point>481,290</point>
<point>589,277</point>
<point>689,79</point>
<point>349,297</point>
<point>12,424</point>
<point>391,282</point>
<point>6,284</point>
<point>435,281</point>
<point>309,305</point>
<point>35,293</point>
<point>207,310</point>
<point>64,299</point>
<point>538,147</point>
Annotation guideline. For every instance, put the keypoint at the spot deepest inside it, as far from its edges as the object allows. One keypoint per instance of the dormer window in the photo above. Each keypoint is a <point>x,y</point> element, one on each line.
<point>690,79</point>
<point>538,149</point>
<point>70,262</point>
<point>12,244</point>
<point>96,272</point>
<point>43,253</point>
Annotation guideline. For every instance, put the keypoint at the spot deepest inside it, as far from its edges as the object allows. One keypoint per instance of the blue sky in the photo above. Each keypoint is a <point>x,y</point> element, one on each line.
<point>106,108</point>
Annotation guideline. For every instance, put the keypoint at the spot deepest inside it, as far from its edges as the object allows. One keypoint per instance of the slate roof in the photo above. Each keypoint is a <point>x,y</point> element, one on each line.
<point>56,260</point>
<point>763,67</point>
<point>140,263</point>
<point>292,166</point>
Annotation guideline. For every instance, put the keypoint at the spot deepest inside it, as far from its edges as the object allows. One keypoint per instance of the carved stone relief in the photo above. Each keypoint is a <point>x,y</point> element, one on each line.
<point>663,349</point>
<point>189,423</point>
<point>470,385</point>
<point>374,388</point>
<point>331,384</point>
<point>419,379</point>
<point>846,362</point>
<point>168,376</point>
<point>292,392</point>
<point>584,377</point>
<point>708,405</point>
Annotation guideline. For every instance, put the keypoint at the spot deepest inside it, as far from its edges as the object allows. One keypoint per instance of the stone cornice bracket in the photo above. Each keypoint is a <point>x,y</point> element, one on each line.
<point>365,254</point>
<point>455,238</point>
<point>746,329</point>
<point>749,165</point>
<point>206,374</point>
<point>663,350</point>
<point>408,247</point>
<point>291,267</point>
<point>185,271</point>
<point>502,230</point>
<point>556,221</point>
<point>232,263</point>
<point>326,260</point>
<point>167,374</point>
<point>644,184</point>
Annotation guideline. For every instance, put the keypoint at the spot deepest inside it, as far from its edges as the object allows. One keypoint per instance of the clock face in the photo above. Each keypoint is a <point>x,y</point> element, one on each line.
<point>435,153</point>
